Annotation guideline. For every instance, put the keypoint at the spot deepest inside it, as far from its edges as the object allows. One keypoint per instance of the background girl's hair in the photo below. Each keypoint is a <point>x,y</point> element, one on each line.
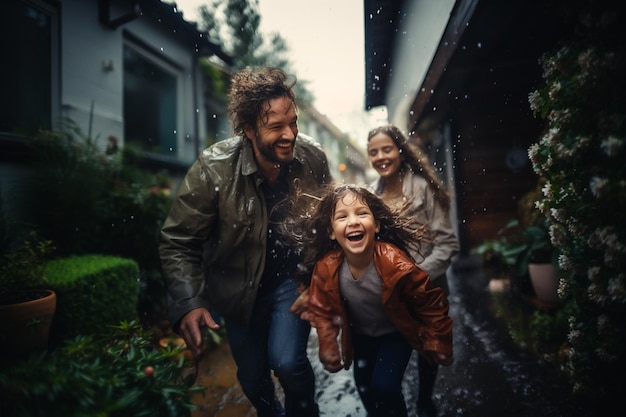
<point>417,161</point>
<point>310,229</point>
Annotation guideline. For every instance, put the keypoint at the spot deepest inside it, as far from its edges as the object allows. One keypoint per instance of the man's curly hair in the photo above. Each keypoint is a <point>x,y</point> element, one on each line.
<point>251,89</point>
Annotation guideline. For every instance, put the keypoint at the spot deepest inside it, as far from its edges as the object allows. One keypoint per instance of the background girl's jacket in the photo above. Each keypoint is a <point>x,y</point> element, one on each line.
<point>435,256</point>
<point>416,308</point>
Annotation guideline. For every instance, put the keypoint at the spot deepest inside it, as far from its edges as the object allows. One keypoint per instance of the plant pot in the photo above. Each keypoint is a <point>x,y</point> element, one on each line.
<point>25,326</point>
<point>545,281</point>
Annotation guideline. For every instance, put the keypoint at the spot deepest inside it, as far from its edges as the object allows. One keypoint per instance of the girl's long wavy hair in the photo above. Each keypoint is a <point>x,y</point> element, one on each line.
<point>310,230</point>
<point>416,161</point>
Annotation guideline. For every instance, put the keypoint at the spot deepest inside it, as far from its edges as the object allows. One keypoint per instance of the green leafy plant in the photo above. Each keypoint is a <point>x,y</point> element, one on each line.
<point>581,155</point>
<point>22,275</point>
<point>90,198</point>
<point>120,372</point>
<point>516,246</point>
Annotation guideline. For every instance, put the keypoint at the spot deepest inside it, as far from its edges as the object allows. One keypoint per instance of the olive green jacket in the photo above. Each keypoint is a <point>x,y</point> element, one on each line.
<point>213,242</point>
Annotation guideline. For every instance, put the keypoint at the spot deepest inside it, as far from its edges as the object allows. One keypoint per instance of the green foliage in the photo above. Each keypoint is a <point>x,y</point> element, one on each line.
<point>92,291</point>
<point>516,246</point>
<point>22,269</point>
<point>582,157</point>
<point>540,332</point>
<point>90,199</point>
<point>118,372</point>
<point>235,25</point>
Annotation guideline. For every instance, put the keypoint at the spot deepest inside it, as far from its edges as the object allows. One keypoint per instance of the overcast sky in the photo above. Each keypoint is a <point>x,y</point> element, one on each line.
<point>325,38</point>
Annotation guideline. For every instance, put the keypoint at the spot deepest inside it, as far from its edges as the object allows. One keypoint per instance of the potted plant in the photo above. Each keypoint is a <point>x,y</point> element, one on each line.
<point>532,253</point>
<point>27,306</point>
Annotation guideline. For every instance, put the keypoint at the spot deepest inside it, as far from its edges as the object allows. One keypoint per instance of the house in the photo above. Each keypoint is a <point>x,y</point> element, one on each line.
<point>123,71</point>
<point>126,72</point>
<point>348,163</point>
<point>457,75</point>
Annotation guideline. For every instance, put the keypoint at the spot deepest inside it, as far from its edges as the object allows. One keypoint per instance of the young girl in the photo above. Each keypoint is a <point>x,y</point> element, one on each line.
<point>408,178</point>
<point>366,288</point>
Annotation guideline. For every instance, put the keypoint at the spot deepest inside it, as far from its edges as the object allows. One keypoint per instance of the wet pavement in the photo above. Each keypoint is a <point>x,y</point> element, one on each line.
<point>491,376</point>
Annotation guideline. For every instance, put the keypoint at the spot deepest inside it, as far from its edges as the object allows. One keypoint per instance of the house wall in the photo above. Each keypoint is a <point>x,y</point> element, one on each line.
<point>417,40</point>
<point>92,94</point>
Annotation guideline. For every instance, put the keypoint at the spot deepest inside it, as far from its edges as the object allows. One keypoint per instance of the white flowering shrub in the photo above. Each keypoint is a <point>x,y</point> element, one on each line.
<point>582,157</point>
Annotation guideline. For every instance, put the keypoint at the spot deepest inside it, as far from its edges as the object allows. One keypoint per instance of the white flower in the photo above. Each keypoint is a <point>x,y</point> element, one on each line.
<point>593,273</point>
<point>564,262</point>
<point>598,186</point>
<point>612,145</point>
<point>547,190</point>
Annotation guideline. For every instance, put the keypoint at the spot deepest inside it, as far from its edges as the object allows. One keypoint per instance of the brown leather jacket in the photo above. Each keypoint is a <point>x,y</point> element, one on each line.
<point>417,308</point>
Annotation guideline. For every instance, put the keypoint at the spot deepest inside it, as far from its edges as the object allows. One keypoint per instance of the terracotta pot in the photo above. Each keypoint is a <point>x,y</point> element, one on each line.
<point>25,326</point>
<point>545,281</point>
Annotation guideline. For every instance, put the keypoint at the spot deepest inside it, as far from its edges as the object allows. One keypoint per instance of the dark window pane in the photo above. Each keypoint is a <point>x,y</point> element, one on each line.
<point>25,85</point>
<point>149,104</point>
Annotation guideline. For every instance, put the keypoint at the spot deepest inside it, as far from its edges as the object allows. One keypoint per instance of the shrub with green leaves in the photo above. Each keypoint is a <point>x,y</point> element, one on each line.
<point>582,157</point>
<point>91,197</point>
<point>92,291</point>
<point>118,372</point>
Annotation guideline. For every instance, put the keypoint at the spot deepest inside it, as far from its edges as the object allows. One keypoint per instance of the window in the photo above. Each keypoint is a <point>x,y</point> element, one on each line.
<point>28,41</point>
<point>150,101</point>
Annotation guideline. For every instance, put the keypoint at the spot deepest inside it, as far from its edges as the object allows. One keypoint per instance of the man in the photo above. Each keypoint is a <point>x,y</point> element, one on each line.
<point>220,252</point>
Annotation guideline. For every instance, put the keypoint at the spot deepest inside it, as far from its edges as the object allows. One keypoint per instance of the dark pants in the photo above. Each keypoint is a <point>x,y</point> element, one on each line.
<point>275,340</point>
<point>379,365</point>
<point>428,370</point>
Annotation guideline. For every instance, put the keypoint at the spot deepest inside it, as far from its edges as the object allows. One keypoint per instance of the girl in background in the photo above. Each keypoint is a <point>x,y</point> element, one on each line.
<point>365,287</point>
<point>407,179</point>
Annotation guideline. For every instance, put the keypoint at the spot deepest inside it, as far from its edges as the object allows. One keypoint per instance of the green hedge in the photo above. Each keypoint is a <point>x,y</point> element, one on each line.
<point>93,291</point>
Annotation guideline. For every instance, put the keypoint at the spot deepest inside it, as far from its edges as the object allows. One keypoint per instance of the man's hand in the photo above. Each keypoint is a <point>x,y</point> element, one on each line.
<point>191,329</point>
<point>300,307</point>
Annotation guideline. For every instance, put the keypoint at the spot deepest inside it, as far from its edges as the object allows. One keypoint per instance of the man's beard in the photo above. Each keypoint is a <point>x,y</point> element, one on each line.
<point>268,152</point>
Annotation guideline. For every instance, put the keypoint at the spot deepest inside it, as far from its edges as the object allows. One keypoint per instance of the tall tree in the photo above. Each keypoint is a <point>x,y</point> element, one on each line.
<point>234,24</point>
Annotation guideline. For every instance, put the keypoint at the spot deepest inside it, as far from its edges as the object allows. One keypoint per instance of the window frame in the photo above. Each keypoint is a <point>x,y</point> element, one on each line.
<point>149,54</point>
<point>14,144</point>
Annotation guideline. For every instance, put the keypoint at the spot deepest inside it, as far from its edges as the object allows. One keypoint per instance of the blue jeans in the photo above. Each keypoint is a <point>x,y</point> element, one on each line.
<point>379,365</point>
<point>274,340</point>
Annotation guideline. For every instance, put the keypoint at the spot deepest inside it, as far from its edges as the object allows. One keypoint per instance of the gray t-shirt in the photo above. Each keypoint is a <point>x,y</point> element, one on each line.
<point>363,301</point>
